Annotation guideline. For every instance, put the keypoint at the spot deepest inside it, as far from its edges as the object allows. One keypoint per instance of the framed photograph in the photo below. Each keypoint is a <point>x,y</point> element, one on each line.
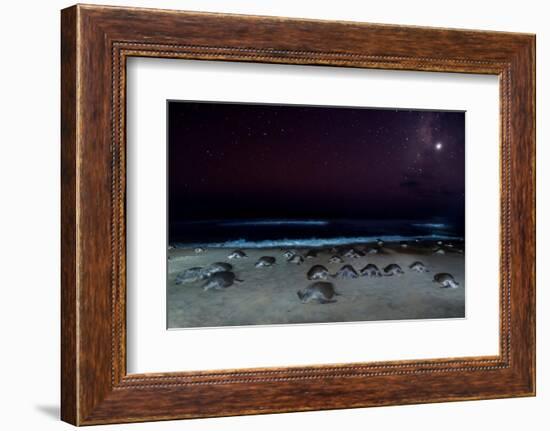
<point>264,215</point>
<point>331,199</point>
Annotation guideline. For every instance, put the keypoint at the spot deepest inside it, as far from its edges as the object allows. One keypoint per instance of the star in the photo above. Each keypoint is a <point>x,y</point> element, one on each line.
<point>438,146</point>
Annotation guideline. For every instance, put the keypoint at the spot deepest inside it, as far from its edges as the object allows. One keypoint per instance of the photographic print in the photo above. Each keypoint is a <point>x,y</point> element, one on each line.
<point>296,214</point>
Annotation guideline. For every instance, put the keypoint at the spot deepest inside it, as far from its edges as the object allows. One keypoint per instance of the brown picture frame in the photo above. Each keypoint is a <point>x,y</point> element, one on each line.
<point>95,43</point>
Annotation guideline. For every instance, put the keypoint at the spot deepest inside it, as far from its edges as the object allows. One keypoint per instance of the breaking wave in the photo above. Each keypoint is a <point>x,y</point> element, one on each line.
<point>313,242</point>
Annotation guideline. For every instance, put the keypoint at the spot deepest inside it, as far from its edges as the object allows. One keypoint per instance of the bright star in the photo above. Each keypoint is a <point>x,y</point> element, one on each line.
<point>438,146</point>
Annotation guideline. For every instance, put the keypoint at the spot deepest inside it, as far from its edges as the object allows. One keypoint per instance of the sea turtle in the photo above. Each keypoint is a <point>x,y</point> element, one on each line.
<point>311,254</point>
<point>393,269</point>
<point>190,275</point>
<point>217,267</point>
<point>221,280</point>
<point>237,254</point>
<point>418,267</point>
<point>353,253</point>
<point>265,261</point>
<point>347,271</point>
<point>297,259</point>
<point>317,272</point>
<point>371,270</point>
<point>445,280</point>
<point>321,291</point>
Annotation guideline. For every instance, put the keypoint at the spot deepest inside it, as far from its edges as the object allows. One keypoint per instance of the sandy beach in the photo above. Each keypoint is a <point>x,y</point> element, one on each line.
<point>268,295</point>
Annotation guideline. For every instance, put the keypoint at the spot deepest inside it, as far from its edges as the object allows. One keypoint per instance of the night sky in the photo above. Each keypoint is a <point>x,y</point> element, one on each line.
<point>232,161</point>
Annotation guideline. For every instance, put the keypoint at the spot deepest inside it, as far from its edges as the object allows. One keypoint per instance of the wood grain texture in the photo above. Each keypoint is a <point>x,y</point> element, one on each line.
<point>69,397</point>
<point>96,41</point>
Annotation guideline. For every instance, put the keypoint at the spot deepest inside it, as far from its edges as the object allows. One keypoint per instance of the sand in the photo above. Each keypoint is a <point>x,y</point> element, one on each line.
<point>268,295</point>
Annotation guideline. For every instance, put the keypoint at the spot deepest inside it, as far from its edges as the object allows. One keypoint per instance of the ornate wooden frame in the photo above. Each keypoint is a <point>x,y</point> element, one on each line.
<point>95,43</point>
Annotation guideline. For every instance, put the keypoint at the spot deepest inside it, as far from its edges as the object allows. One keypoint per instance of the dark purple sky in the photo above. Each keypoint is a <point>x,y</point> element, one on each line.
<point>231,161</point>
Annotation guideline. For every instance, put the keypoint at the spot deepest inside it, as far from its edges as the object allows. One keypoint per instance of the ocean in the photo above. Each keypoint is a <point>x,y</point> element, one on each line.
<point>306,233</point>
